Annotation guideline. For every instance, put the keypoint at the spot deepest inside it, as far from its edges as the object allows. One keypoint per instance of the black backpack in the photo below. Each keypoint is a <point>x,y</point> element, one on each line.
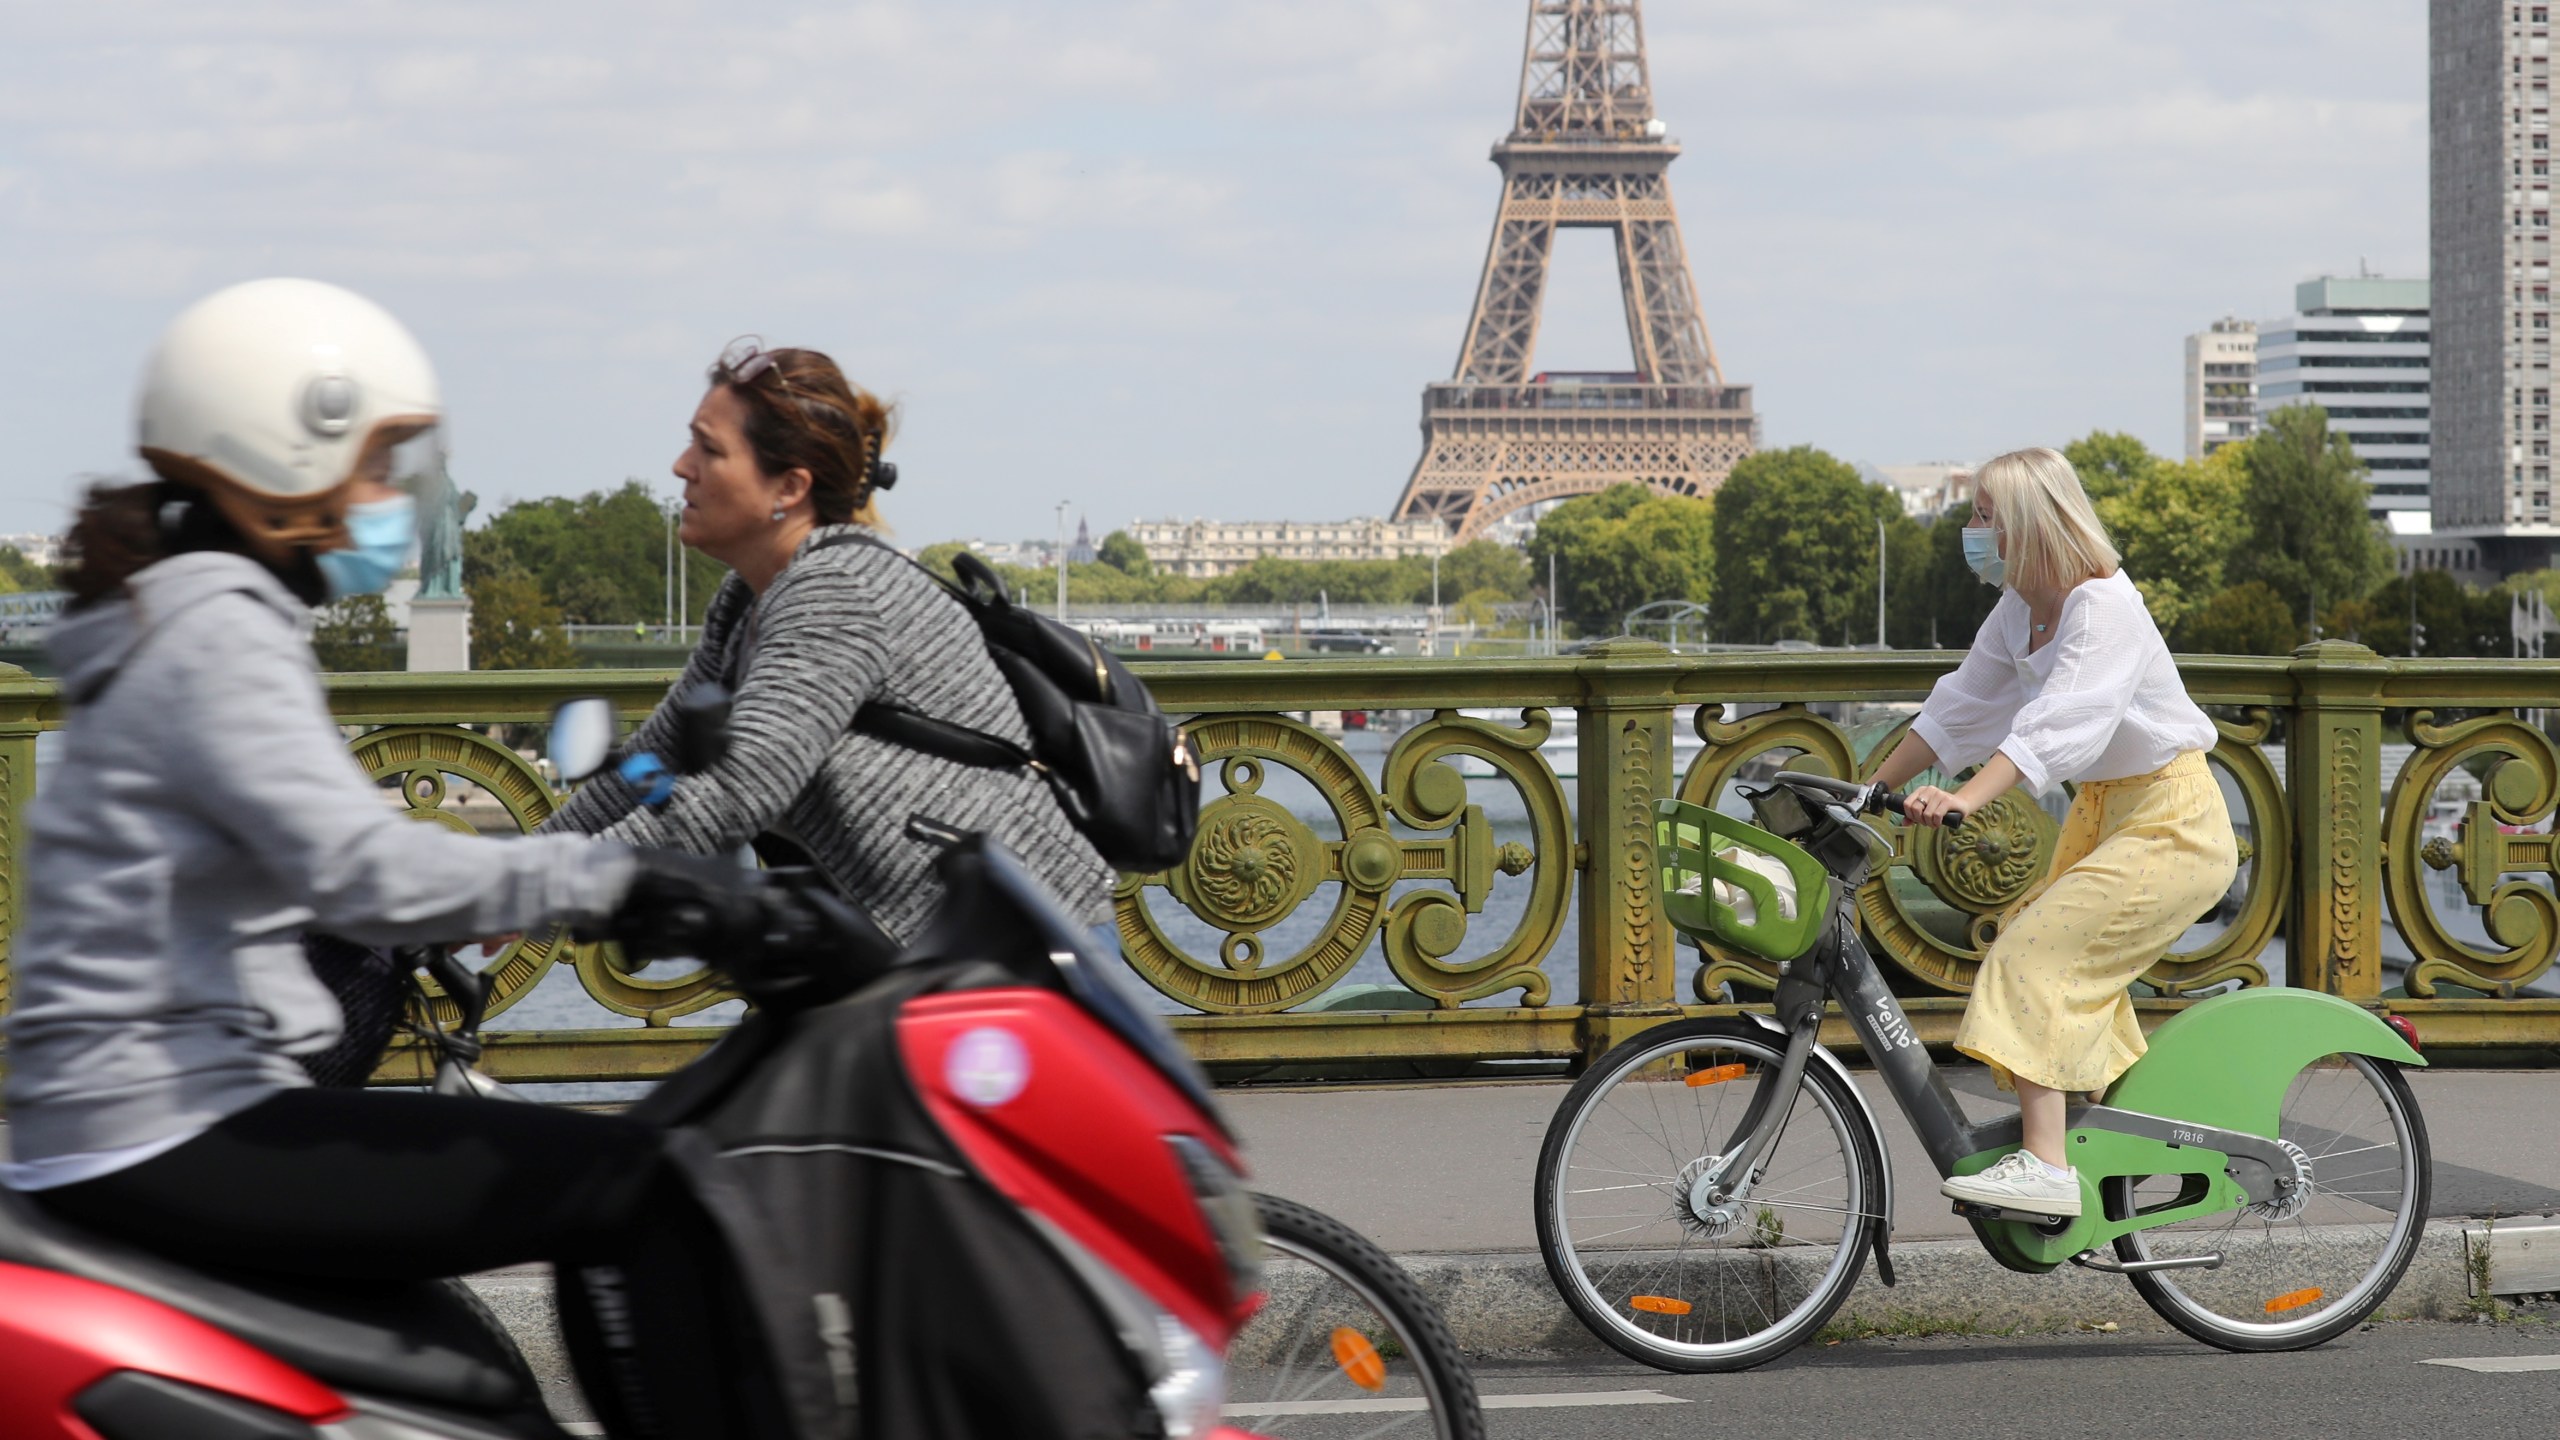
<point>1126,775</point>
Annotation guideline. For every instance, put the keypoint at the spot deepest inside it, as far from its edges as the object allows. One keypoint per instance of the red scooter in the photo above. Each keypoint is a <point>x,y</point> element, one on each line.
<point>1041,1098</point>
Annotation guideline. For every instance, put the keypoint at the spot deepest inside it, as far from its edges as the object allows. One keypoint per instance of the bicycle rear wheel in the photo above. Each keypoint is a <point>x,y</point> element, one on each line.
<point>2299,1272</point>
<point>1345,1344</point>
<point>1617,1200</point>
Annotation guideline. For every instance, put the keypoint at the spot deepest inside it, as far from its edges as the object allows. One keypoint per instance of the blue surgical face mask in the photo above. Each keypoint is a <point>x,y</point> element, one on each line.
<point>1982,552</point>
<point>383,531</point>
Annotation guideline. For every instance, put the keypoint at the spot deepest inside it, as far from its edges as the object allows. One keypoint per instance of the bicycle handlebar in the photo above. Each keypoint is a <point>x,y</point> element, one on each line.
<point>1867,798</point>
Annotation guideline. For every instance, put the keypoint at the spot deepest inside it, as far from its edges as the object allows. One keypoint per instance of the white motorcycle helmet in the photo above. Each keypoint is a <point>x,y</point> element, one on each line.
<point>269,397</point>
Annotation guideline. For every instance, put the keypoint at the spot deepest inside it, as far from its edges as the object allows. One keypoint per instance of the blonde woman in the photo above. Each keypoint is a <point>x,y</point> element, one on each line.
<point>2068,680</point>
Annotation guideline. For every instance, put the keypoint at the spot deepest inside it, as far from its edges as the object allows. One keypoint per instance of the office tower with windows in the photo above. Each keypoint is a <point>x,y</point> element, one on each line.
<point>2222,385</point>
<point>2358,348</point>
<point>2489,204</point>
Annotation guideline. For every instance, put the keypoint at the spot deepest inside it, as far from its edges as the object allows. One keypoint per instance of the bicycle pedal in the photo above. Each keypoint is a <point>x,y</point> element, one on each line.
<point>1972,1211</point>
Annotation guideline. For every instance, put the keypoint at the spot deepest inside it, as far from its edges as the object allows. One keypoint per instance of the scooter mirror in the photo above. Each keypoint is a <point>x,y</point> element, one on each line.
<point>581,737</point>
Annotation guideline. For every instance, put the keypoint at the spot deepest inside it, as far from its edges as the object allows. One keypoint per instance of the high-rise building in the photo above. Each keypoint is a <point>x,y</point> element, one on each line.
<point>2489,205</point>
<point>2357,347</point>
<point>2222,385</point>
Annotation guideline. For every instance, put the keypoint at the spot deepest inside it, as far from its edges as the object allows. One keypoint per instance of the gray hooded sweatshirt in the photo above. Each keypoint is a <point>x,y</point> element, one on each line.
<point>204,810</point>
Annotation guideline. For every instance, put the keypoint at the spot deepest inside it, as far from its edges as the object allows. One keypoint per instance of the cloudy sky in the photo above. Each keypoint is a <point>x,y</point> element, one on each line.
<point>1159,258</point>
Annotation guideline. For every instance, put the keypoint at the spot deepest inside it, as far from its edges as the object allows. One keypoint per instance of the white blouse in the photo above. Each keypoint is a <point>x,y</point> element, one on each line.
<point>2101,701</point>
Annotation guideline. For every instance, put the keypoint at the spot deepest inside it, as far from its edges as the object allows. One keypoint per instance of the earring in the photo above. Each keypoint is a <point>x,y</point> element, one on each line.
<point>777,514</point>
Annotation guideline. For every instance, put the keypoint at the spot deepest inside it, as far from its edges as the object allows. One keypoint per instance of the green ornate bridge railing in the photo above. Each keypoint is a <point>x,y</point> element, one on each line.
<point>1474,888</point>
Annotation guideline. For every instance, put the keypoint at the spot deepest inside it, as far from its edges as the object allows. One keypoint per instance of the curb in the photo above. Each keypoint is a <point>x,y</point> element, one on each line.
<point>1503,1305</point>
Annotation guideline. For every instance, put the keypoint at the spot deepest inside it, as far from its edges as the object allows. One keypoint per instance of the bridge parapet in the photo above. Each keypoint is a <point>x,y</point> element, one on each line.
<point>1476,883</point>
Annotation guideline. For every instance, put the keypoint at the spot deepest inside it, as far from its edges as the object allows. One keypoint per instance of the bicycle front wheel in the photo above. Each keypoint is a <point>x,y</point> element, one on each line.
<point>2305,1269</point>
<point>1629,1160</point>
<point>1345,1343</point>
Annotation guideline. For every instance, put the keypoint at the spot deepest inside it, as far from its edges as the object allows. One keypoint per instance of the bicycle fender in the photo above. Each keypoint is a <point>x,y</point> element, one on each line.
<point>2227,1060</point>
<point>1884,1156</point>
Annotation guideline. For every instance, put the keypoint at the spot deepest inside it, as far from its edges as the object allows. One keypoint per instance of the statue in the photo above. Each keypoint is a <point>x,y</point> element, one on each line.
<point>441,507</point>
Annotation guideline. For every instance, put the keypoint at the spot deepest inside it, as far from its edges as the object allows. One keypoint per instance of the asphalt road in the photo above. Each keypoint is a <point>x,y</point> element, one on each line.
<point>2375,1382</point>
<point>1447,1168</point>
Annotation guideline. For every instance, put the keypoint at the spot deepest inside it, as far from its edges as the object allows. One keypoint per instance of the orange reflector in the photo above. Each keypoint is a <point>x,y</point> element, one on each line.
<point>1359,1359</point>
<point>2294,1300</point>
<point>1716,1076</point>
<point>1659,1304</point>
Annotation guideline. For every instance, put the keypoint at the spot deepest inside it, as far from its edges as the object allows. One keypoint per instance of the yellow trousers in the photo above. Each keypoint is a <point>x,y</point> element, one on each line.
<point>2139,860</point>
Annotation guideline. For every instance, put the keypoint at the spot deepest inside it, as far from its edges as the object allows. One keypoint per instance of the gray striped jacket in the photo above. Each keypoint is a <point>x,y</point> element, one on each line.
<point>837,628</point>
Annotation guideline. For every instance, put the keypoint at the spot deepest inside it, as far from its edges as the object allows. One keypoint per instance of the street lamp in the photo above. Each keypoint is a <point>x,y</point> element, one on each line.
<point>1062,562</point>
<point>1432,646</point>
<point>1879,582</point>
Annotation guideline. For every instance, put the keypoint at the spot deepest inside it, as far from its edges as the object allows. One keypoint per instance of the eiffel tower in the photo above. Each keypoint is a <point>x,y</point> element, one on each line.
<point>1586,150</point>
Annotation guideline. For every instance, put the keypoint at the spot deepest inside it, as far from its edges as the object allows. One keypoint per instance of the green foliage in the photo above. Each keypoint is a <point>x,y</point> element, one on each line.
<point>1485,565</point>
<point>356,634</point>
<point>2304,503</point>
<point>937,558</point>
<point>2458,620</point>
<point>2177,524</point>
<point>2249,618</point>
<point>1795,549</point>
<point>2110,463</point>
<point>1270,581</point>
<point>601,558</point>
<point>1123,553</point>
<point>18,573</point>
<point>515,626</point>
<point>1476,608</point>
<point>1624,547</point>
<point>1934,601</point>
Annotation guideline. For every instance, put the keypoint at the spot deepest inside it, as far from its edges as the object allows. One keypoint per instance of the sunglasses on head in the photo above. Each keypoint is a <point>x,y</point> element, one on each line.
<point>747,361</point>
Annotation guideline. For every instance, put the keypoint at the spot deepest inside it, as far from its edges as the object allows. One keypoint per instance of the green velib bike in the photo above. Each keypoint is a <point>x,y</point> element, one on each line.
<point>1710,1190</point>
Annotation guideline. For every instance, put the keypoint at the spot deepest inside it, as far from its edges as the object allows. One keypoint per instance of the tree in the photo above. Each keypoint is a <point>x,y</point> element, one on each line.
<point>1123,553</point>
<point>1937,600</point>
<point>2247,619</point>
<point>2304,501</point>
<point>2177,525</point>
<point>2458,620</point>
<point>1795,548</point>
<point>601,557</point>
<point>515,626</point>
<point>1476,609</point>
<point>2110,463</point>
<point>356,633</point>
<point>1624,547</point>
<point>1481,565</point>
<point>19,574</point>
<point>587,598</point>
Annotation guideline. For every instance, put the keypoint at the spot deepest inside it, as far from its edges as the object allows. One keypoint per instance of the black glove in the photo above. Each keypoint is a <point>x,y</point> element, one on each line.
<point>682,904</point>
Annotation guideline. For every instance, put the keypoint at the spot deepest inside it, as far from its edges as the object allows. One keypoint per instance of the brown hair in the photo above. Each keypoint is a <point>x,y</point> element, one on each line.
<point>803,414</point>
<point>123,528</point>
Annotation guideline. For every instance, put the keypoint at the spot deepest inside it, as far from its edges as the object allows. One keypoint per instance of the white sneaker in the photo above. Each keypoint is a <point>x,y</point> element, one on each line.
<point>2019,1181</point>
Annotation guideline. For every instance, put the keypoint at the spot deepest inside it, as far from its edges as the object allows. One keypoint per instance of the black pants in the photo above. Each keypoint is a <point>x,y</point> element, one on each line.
<point>345,1185</point>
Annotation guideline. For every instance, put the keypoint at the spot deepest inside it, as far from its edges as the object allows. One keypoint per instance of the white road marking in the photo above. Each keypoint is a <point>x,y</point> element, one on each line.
<point>1560,1400</point>
<point>2501,1364</point>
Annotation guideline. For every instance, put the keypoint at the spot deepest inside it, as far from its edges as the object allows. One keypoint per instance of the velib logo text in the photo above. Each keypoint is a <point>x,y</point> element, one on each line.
<point>1892,1031</point>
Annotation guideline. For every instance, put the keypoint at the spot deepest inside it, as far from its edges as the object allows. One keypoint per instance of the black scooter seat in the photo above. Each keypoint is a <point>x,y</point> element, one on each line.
<point>425,1340</point>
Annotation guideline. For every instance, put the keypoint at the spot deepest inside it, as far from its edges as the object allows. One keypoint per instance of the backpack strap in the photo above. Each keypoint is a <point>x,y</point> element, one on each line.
<point>912,729</point>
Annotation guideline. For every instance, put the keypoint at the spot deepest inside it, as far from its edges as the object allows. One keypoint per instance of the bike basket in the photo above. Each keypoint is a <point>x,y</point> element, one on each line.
<point>1685,839</point>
